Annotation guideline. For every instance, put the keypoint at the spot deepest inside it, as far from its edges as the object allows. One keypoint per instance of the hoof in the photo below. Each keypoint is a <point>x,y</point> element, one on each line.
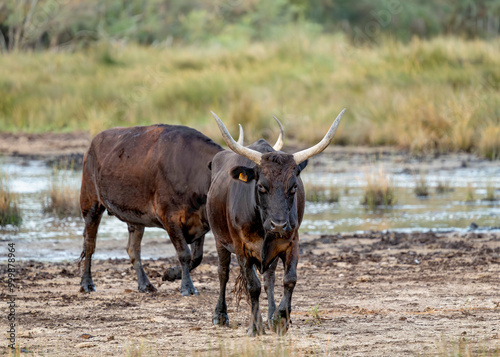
<point>279,325</point>
<point>147,288</point>
<point>172,274</point>
<point>189,291</point>
<point>221,320</point>
<point>87,286</point>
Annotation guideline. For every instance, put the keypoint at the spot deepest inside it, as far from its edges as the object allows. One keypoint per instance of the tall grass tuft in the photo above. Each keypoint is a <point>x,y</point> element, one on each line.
<point>9,211</point>
<point>421,187</point>
<point>443,187</point>
<point>490,193</point>
<point>63,199</point>
<point>379,191</point>
<point>489,144</point>
<point>470,194</point>
<point>322,193</point>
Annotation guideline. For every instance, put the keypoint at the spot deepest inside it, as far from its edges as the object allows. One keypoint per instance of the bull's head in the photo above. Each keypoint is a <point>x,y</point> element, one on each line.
<point>275,179</point>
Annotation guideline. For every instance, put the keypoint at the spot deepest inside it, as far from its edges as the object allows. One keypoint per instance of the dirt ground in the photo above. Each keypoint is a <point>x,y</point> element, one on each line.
<point>373,294</point>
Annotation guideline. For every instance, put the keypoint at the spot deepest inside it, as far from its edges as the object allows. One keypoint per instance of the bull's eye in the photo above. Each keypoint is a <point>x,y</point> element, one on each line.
<point>261,188</point>
<point>293,190</point>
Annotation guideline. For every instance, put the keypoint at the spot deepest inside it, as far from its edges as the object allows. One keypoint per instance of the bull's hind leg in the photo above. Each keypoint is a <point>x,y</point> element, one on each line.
<point>220,316</point>
<point>254,288</point>
<point>269,279</point>
<point>135,233</point>
<point>92,217</point>
<point>175,273</point>
<point>184,256</point>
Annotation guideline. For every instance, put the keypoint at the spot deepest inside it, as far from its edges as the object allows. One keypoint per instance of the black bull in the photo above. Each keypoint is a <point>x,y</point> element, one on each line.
<point>255,206</point>
<point>153,176</point>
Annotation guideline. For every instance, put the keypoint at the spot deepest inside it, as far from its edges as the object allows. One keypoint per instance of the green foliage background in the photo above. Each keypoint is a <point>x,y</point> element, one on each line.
<point>422,76</point>
<point>48,23</point>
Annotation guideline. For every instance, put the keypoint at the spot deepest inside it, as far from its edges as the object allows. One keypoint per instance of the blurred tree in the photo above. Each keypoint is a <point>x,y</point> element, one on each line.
<point>47,23</point>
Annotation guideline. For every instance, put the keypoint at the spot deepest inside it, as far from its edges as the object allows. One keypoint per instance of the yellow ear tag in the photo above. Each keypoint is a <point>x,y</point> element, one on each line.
<point>243,177</point>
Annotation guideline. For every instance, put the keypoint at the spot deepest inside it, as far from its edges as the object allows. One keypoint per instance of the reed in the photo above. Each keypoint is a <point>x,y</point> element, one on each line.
<point>322,193</point>
<point>9,211</point>
<point>378,191</point>
<point>63,199</point>
<point>421,187</point>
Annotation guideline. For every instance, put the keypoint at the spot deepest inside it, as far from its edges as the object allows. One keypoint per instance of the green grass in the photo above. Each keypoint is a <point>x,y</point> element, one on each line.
<point>425,96</point>
<point>9,211</point>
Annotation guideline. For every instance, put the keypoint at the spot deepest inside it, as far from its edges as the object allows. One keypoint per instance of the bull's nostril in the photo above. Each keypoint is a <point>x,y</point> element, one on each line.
<point>278,226</point>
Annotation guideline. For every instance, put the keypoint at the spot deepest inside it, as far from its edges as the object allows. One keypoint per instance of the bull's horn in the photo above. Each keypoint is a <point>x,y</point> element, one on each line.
<point>279,142</point>
<point>303,155</point>
<point>253,155</point>
<point>240,139</point>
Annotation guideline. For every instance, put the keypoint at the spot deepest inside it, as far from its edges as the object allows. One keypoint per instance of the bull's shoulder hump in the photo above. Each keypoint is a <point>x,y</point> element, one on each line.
<point>261,145</point>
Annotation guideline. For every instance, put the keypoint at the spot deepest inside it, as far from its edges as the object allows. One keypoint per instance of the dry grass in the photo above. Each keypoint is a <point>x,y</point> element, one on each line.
<point>322,193</point>
<point>443,187</point>
<point>9,211</point>
<point>379,191</point>
<point>438,95</point>
<point>470,194</point>
<point>490,193</point>
<point>63,199</point>
<point>421,186</point>
<point>466,347</point>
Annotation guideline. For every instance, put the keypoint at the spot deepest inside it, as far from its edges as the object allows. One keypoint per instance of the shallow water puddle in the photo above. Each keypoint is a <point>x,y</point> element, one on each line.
<point>45,237</point>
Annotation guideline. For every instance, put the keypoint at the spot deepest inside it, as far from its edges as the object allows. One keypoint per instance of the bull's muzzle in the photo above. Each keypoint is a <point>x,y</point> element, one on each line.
<point>279,227</point>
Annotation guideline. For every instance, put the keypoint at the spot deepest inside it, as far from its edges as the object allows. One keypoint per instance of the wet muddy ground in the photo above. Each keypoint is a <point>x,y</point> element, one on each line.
<point>371,294</point>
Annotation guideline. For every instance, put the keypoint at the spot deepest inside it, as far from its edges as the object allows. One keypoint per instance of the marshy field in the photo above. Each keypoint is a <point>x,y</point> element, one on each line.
<point>400,242</point>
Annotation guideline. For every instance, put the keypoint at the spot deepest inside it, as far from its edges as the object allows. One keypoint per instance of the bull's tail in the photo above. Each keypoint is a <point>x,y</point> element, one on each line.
<point>79,260</point>
<point>240,289</point>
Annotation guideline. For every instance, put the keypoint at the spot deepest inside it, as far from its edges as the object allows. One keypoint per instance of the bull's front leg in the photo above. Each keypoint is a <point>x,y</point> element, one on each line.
<point>253,284</point>
<point>269,279</point>
<point>280,321</point>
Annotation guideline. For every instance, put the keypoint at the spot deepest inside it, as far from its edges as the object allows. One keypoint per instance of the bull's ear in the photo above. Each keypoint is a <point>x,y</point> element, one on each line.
<point>242,173</point>
<point>301,166</point>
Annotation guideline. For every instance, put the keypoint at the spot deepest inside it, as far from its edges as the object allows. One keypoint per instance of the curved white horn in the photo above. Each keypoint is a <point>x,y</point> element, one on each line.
<point>303,155</point>
<point>253,155</point>
<point>280,141</point>
<point>240,139</point>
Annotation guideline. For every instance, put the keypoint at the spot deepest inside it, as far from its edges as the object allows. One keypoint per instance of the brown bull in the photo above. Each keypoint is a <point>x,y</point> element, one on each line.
<point>152,176</point>
<point>255,206</point>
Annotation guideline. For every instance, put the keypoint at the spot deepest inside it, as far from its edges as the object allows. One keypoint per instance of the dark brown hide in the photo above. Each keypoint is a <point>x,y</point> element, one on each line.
<point>152,176</point>
<point>255,212</point>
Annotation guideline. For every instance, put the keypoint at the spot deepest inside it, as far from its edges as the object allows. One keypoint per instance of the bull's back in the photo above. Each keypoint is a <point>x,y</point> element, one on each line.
<point>135,171</point>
